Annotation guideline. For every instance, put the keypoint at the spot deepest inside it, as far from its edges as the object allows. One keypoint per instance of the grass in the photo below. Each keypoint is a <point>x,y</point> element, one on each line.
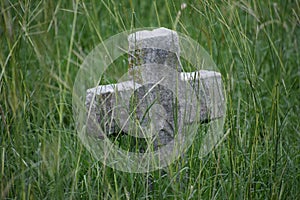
<point>255,45</point>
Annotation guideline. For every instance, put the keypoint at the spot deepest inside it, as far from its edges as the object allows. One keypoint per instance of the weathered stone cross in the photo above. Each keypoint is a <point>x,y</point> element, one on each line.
<point>150,88</point>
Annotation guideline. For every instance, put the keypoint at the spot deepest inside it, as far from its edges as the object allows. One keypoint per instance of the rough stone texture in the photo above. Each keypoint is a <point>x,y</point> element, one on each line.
<point>101,101</point>
<point>141,50</point>
<point>110,106</point>
<point>161,38</point>
<point>101,105</point>
<point>208,88</point>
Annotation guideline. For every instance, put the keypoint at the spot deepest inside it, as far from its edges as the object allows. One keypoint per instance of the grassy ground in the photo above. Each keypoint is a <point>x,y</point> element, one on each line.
<point>255,45</point>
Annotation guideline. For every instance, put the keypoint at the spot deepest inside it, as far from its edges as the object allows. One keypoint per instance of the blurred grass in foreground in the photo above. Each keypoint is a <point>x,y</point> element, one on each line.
<point>256,47</point>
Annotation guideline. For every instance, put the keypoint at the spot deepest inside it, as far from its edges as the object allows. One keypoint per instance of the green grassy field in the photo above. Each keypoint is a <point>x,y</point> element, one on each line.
<point>255,45</point>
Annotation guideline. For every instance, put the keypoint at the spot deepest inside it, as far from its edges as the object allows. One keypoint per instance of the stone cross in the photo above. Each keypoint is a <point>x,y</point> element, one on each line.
<point>154,104</point>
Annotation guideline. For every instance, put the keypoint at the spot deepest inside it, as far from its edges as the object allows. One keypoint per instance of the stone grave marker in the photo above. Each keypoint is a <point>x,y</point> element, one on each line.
<point>154,103</point>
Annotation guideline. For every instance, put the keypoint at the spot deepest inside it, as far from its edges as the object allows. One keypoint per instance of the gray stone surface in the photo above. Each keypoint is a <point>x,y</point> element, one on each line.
<point>208,88</point>
<point>159,46</point>
<point>110,106</point>
<point>101,105</point>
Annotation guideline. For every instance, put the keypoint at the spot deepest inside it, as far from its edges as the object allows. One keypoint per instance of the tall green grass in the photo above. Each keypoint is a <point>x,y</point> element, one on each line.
<point>255,45</point>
